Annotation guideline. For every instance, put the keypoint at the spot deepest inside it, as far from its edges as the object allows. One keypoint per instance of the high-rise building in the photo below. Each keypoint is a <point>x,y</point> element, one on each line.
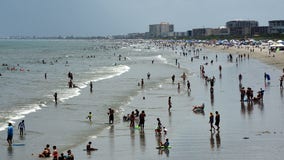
<point>160,30</point>
<point>276,26</point>
<point>241,27</point>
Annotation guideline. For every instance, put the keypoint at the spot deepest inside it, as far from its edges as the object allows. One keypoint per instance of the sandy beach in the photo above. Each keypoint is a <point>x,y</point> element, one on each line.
<point>245,127</point>
<point>248,130</point>
<point>261,53</point>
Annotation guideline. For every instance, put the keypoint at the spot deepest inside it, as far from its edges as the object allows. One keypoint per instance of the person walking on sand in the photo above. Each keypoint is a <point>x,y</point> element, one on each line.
<point>240,78</point>
<point>21,127</point>
<point>170,103</point>
<point>217,120</point>
<point>188,85</point>
<point>10,134</point>
<point>211,121</point>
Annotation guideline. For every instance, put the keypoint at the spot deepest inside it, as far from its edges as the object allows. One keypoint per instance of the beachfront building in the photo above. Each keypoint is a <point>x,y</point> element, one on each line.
<point>203,32</point>
<point>161,30</point>
<point>241,27</point>
<point>260,30</point>
<point>276,27</point>
<point>181,35</point>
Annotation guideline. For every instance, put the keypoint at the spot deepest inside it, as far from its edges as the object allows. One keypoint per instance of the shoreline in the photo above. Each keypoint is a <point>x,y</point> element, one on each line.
<point>261,53</point>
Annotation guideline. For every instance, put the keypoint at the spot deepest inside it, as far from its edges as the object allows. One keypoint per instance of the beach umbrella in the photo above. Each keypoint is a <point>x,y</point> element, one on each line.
<point>270,41</point>
<point>279,41</point>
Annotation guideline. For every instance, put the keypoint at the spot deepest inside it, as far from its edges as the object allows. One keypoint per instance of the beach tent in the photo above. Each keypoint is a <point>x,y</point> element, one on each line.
<point>280,41</point>
<point>270,41</point>
<point>278,47</point>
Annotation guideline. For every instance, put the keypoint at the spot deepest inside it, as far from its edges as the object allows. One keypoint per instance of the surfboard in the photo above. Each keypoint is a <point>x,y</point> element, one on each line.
<point>18,144</point>
<point>162,147</point>
<point>95,149</point>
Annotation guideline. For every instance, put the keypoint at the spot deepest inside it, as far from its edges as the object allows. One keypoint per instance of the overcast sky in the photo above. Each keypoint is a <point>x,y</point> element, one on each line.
<point>112,17</point>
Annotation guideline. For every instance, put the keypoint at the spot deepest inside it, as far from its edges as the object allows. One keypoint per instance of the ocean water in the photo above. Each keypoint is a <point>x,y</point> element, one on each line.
<point>26,94</point>
<point>23,86</point>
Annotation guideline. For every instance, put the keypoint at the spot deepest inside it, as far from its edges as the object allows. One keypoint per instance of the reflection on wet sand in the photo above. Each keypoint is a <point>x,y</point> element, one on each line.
<point>212,140</point>
<point>142,141</point>
<point>161,150</point>
<point>246,108</point>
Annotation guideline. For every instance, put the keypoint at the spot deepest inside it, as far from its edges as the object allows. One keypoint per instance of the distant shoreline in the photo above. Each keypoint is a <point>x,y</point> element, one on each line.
<point>274,58</point>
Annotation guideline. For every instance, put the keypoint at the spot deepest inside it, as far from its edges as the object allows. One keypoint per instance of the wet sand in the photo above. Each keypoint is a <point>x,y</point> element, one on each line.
<point>248,130</point>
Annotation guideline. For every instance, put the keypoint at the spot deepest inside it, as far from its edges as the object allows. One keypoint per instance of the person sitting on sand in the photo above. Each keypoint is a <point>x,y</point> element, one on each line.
<point>45,153</point>
<point>259,95</point>
<point>61,157</point>
<point>198,108</point>
<point>89,147</point>
<point>70,155</point>
<point>126,117</point>
<point>166,144</point>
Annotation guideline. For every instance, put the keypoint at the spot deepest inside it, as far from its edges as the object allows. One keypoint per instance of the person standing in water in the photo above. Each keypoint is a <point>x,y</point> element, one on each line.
<point>142,119</point>
<point>173,78</point>
<point>55,97</point>
<point>110,114</point>
<point>91,86</point>
<point>10,134</point>
<point>90,115</point>
<point>142,83</point>
<point>21,127</point>
<point>148,75</point>
<point>170,103</point>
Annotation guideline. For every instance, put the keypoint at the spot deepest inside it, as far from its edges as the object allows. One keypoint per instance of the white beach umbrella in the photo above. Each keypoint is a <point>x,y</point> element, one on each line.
<point>279,41</point>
